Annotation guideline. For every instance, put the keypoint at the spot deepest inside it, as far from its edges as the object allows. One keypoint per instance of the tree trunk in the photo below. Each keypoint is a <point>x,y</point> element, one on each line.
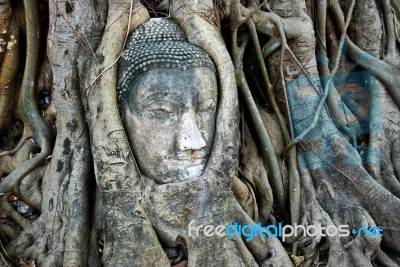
<point>307,129</point>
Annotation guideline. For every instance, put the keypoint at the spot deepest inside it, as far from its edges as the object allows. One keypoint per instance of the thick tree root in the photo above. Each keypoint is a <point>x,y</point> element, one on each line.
<point>9,54</point>
<point>330,184</point>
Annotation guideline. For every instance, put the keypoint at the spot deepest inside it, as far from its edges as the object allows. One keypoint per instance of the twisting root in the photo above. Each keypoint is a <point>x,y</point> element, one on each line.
<point>275,34</point>
<point>385,71</point>
<point>106,128</point>
<point>326,89</point>
<point>29,110</point>
<point>294,177</point>
<point>29,188</point>
<point>26,134</point>
<point>343,123</point>
<point>269,157</point>
<point>1,254</point>
<point>12,213</point>
<point>9,164</point>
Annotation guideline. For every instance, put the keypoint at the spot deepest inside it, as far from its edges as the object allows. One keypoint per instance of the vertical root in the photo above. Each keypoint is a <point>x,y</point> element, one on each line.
<point>294,177</point>
<point>33,121</point>
<point>267,151</point>
<point>9,53</point>
<point>390,29</point>
<point>29,111</point>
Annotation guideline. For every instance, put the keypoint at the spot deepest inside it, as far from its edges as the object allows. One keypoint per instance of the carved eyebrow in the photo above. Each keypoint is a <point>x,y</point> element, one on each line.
<point>154,94</point>
<point>150,99</point>
<point>159,102</point>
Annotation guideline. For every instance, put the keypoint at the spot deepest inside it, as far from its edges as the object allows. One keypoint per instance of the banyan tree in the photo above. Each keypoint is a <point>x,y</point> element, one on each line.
<point>126,126</point>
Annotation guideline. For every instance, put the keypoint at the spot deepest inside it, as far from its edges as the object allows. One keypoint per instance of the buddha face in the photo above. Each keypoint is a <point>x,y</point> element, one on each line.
<point>170,121</point>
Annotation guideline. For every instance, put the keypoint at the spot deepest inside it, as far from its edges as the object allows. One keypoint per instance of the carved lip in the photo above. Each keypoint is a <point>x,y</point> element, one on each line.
<point>191,160</point>
<point>187,160</point>
<point>190,157</point>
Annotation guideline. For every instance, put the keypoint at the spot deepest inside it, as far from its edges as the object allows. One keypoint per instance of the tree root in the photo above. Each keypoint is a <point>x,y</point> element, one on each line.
<point>253,168</point>
<point>267,151</point>
<point>118,183</point>
<point>327,183</point>
<point>27,134</point>
<point>33,122</point>
<point>16,248</point>
<point>9,54</point>
<point>391,54</point>
<point>343,118</point>
<point>384,260</point>
<point>268,252</point>
<point>294,178</point>
<point>29,189</point>
<point>55,238</point>
<point>328,82</point>
<point>7,233</point>
<point>386,73</point>
<point>9,164</point>
<point>12,213</point>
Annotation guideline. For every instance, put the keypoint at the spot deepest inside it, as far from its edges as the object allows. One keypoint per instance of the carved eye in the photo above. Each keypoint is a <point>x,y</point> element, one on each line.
<point>164,112</point>
<point>163,109</point>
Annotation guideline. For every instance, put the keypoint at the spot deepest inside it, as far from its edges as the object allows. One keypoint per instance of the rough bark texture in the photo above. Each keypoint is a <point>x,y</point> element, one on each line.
<point>285,149</point>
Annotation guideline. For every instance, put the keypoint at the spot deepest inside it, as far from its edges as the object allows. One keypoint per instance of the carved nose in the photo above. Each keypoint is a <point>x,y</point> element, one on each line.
<point>190,137</point>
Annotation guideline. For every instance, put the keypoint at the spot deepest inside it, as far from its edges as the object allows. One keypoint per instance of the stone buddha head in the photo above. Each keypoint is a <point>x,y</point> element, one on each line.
<point>167,95</point>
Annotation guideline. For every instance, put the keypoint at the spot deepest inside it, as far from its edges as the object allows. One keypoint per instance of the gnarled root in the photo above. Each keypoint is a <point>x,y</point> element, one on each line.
<point>9,53</point>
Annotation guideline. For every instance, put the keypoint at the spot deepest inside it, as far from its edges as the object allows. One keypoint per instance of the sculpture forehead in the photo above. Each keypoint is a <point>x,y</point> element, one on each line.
<point>158,78</point>
<point>175,80</point>
<point>157,44</point>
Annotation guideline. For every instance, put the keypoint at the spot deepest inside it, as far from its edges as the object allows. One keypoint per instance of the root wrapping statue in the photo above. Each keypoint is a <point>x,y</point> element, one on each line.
<point>168,98</point>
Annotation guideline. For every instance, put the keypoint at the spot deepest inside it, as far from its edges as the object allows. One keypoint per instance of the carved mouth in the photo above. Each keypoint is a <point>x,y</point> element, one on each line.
<point>186,161</point>
<point>195,158</point>
<point>190,158</point>
<point>186,165</point>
